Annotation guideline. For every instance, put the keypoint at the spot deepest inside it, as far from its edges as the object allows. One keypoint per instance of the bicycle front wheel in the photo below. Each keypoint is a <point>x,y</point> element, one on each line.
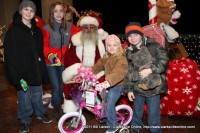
<point>126,113</point>
<point>67,123</point>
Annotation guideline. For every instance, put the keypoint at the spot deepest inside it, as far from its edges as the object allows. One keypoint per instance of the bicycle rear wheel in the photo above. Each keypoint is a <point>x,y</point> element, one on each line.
<point>126,112</point>
<point>67,123</point>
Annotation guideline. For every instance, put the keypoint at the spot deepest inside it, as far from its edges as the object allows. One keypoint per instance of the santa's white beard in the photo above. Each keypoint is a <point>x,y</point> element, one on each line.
<point>89,41</point>
<point>89,36</point>
<point>89,53</point>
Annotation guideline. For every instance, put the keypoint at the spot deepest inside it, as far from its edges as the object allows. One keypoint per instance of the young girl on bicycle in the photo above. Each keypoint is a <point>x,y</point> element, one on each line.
<point>115,65</point>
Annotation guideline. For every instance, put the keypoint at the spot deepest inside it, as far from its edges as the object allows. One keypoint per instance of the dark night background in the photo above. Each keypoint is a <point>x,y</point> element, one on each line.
<point>117,14</point>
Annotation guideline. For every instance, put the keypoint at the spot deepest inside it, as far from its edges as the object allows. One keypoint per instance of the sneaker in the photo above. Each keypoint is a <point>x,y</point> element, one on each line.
<point>112,131</point>
<point>45,118</point>
<point>23,128</point>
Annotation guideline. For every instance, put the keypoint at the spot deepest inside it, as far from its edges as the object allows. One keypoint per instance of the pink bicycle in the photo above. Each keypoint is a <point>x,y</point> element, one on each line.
<point>85,96</point>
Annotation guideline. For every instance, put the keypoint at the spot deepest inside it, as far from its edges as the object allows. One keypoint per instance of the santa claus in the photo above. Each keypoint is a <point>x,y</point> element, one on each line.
<point>86,48</point>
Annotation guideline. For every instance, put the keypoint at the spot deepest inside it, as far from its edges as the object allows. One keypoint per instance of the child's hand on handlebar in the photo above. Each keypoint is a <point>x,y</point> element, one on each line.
<point>104,85</point>
<point>86,73</point>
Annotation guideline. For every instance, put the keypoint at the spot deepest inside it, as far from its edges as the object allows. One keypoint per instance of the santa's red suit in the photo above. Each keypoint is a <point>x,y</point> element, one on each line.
<point>86,54</point>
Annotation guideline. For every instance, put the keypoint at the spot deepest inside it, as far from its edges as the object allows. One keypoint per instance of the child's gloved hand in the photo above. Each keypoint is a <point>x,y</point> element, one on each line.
<point>24,84</point>
<point>104,85</point>
<point>55,61</point>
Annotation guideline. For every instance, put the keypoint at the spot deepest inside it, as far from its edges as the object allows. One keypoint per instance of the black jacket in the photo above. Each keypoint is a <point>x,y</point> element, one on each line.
<point>159,66</point>
<point>23,50</point>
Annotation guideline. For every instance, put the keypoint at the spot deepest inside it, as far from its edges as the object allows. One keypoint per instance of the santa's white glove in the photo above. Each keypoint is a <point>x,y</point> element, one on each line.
<point>104,85</point>
<point>176,15</point>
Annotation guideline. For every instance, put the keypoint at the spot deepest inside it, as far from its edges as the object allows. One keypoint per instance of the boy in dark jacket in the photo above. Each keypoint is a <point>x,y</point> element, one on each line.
<point>24,64</point>
<point>135,35</point>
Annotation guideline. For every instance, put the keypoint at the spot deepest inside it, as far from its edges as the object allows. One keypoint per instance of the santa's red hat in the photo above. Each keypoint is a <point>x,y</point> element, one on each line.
<point>98,19</point>
<point>91,19</point>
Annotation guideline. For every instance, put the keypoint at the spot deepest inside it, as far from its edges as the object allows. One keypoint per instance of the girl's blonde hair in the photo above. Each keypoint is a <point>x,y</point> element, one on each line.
<point>120,50</point>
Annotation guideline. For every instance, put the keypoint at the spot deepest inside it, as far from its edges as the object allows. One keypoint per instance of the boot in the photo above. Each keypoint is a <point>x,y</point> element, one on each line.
<point>69,106</point>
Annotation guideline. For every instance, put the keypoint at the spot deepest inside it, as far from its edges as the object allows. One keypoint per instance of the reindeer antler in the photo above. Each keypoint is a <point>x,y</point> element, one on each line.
<point>72,9</point>
<point>88,12</point>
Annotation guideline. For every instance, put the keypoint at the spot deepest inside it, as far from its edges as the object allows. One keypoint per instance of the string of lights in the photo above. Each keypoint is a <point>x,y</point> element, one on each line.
<point>190,42</point>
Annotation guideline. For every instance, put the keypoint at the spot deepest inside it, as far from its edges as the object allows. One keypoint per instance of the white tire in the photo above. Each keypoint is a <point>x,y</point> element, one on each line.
<point>65,123</point>
<point>128,113</point>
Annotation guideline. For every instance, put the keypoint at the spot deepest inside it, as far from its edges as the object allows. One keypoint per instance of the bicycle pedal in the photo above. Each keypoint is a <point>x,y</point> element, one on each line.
<point>124,130</point>
<point>102,120</point>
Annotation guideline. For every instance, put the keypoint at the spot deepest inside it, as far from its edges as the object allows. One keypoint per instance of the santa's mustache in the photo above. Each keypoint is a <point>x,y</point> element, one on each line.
<point>89,36</point>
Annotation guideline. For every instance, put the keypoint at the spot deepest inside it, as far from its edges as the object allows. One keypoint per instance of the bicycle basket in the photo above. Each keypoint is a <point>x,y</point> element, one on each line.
<point>76,95</point>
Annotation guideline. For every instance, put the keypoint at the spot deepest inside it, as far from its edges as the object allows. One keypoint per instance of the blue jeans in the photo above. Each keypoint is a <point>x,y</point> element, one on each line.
<point>55,76</point>
<point>112,97</point>
<point>30,101</point>
<point>153,113</point>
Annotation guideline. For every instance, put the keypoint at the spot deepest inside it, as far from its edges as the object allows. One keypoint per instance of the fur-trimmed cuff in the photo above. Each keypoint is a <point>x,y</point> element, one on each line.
<point>70,72</point>
<point>100,74</point>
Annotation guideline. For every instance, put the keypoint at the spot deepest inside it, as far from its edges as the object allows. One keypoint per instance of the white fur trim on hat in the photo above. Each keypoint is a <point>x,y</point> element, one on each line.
<point>89,20</point>
<point>102,34</point>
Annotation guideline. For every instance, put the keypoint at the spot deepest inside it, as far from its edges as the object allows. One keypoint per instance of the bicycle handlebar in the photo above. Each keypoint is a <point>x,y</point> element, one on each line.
<point>87,75</point>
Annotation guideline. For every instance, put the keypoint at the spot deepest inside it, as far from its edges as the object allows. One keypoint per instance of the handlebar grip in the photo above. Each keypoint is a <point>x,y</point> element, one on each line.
<point>92,83</point>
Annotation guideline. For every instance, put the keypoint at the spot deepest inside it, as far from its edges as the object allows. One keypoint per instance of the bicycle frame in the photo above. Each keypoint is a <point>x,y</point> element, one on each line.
<point>99,104</point>
<point>87,97</point>
<point>96,109</point>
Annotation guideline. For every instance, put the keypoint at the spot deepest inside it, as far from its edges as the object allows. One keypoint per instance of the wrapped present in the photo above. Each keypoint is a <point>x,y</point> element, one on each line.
<point>183,79</point>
